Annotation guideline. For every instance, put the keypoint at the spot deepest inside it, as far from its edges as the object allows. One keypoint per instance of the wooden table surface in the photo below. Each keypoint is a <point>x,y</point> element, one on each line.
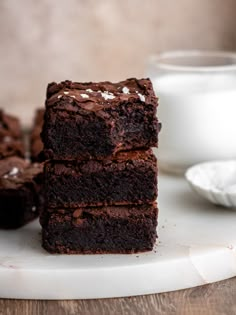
<point>213,299</point>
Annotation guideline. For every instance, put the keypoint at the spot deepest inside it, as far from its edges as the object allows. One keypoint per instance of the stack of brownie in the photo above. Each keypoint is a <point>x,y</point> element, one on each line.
<point>20,181</point>
<point>101,174</point>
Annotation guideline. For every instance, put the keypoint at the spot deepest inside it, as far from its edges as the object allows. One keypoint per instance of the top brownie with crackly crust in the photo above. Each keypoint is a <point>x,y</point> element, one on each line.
<point>97,120</point>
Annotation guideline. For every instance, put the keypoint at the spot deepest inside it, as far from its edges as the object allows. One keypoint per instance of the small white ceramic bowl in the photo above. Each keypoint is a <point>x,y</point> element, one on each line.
<point>214,181</point>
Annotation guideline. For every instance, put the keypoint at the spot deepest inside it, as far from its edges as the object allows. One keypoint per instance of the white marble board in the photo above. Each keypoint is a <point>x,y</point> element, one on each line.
<point>197,244</point>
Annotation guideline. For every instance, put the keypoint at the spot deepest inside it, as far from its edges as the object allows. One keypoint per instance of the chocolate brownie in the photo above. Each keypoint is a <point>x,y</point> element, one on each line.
<point>128,178</point>
<point>20,192</point>
<point>11,143</point>
<point>97,230</point>
<point>9,126</point>
<point>11,147</point>
<point>96,120</point>
<point>36,145</point>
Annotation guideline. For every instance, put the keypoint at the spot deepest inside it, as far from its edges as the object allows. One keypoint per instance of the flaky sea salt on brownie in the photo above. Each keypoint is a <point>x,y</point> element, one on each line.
<point>98,230</point>
<point>36,145</point>
<point>20,192</point>
<point>96,120</point>
<point>129,177</point>
<point>11,137</point>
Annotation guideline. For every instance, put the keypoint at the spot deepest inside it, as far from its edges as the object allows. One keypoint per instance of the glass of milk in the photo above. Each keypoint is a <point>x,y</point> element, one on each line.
<point>197,107</point>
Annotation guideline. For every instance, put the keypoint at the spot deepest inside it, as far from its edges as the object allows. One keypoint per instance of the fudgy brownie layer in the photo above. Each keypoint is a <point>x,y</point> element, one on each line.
<point>96,120</point>
<point>117,229</point>
<point>20,192</point>
<point>36,145</point>
<point>128,178</point>
<point>11,143</point>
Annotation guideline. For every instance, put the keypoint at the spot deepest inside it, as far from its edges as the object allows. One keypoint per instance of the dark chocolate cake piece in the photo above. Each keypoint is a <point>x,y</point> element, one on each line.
<point>9,126</point>
<point>98,230</point>
<point>128,178</point>
<point>96,120</point>
<point>20,192</point>
<point>11,137</point>
<point>11,147</point>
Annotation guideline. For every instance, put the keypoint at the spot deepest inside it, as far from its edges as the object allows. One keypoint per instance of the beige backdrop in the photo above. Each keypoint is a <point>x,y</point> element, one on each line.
<point>45,40</point>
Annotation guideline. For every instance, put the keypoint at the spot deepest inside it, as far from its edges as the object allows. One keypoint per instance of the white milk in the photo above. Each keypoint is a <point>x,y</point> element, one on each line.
<point>198,113</point>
